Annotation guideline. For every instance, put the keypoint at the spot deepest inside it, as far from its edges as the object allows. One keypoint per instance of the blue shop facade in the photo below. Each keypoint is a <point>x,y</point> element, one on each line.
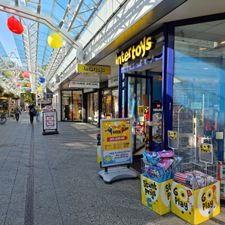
<point>173,79</point>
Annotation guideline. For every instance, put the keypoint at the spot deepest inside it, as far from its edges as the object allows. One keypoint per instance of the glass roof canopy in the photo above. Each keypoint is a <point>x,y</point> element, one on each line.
<point>41,18</point>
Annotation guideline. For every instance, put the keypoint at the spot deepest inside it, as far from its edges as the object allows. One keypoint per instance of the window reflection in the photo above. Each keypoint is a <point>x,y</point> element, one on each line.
<point>199,84</point>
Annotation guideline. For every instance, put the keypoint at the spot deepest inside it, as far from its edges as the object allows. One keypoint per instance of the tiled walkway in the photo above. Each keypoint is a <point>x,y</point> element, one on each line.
<point>52,180</point>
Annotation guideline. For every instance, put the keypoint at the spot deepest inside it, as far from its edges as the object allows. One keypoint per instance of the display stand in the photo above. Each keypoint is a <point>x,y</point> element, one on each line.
<point>117,173</point>
<point>116,150</point>
<point>49,121</point>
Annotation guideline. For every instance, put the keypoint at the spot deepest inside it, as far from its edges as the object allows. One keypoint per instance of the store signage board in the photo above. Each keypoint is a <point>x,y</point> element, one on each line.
<point>113,82</point>
<point>88,90</point>
<point>139,50</point>
<point>49,121</point>
<point>116,142</point>
<point>76,84</point>
<point>93,69</point>
<point>206,153</point>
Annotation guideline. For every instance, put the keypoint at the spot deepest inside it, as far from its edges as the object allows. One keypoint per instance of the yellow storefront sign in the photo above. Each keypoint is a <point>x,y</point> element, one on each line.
<point>156,196</point>
<point>139,50</point>
<point>116,141</point>
<point>93,69</point>
<point>195,206</point>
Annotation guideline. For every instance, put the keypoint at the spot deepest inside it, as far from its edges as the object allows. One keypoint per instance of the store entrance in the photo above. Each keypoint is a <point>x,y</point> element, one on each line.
<point>142,103</point>
<point>71,105</point>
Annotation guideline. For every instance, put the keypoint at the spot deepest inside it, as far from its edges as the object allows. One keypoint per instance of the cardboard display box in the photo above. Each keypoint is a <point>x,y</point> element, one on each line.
<point>195,206</point>
<point>156,196</point>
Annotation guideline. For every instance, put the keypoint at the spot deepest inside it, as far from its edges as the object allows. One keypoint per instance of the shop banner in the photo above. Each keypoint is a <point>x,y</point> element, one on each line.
<point>50,122</point>
<point>116,142</point>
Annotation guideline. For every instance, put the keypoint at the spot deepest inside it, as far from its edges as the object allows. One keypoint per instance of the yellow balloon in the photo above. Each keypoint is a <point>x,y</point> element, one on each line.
<point>39,89</point>
<point>55,40</point>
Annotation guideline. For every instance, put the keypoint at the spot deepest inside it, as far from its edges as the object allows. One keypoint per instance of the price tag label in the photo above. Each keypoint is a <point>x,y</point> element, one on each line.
<point>207,148</point>
<point>172,139</point>
<point>206,153</point>
<point>172,134</point>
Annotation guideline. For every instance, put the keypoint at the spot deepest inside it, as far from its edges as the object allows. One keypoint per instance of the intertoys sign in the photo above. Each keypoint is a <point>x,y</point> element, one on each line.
<point>116,142</point>
<point>139,50</point>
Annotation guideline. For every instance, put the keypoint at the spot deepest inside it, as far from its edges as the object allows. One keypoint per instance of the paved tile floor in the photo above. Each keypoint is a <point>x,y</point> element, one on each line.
<point>52,180</point>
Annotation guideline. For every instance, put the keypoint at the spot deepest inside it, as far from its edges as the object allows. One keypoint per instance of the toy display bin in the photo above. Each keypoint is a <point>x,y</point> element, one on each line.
<point>195,206</point>
<point>155,195</point>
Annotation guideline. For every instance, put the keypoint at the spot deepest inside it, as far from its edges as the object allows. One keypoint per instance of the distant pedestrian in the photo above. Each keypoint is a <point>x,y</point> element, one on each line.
<point>32,112</point>
<point>38,112</point>
<point>17,113</point>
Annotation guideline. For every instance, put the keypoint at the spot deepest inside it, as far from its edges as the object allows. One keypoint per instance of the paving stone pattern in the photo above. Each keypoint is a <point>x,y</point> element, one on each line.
<point>53,180</point>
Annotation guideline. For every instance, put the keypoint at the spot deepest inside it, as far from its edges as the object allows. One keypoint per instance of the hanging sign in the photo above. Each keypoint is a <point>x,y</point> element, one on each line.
<point>116,142</point>
<point>93,69</point>
<point>75,84</point>
<point>206,153</point>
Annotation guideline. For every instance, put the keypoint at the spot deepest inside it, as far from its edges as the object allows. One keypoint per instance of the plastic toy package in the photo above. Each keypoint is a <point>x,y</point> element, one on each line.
<point>195,179</point>
<point>158,166</point>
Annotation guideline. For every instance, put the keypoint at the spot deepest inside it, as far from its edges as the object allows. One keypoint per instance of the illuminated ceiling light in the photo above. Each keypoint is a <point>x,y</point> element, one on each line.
<point>203,49</point>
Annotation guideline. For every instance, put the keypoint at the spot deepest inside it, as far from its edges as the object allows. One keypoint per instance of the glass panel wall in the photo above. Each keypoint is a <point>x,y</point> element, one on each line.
<point>199,84</point>
<point>77,106</point>
<point>110,104</point>
<point>66,105</point>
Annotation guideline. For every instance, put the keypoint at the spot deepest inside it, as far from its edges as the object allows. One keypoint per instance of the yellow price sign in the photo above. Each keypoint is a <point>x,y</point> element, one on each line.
<point>172,134</point>
<point>207,148</point>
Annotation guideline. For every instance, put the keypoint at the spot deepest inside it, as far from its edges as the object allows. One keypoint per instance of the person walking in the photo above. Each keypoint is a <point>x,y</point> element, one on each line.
<point>17,113</point>
<point>32,112</point>
<point>38,112</point>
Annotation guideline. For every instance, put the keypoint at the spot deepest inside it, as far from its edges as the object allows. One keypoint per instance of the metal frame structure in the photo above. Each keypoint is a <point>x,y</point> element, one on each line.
<point>69,18</point>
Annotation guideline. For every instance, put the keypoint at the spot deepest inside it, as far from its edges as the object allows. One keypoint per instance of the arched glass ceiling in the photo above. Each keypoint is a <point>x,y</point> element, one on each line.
<point>41,18</point>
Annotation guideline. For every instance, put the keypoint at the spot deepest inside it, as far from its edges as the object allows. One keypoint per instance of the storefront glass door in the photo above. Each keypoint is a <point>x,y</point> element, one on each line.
<point>142,105</point>
<point>72,105</point>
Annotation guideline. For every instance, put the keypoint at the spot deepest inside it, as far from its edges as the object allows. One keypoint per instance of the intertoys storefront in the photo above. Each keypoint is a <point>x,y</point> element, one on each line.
<point>171,84</point>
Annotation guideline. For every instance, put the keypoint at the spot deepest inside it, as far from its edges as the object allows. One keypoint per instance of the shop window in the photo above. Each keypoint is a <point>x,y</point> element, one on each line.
<point>199,84</point>
<point>71,105</point>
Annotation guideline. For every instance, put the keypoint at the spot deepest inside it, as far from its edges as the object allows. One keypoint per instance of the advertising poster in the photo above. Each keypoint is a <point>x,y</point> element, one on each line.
<point>50,121</point>
<point>116,142</point>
